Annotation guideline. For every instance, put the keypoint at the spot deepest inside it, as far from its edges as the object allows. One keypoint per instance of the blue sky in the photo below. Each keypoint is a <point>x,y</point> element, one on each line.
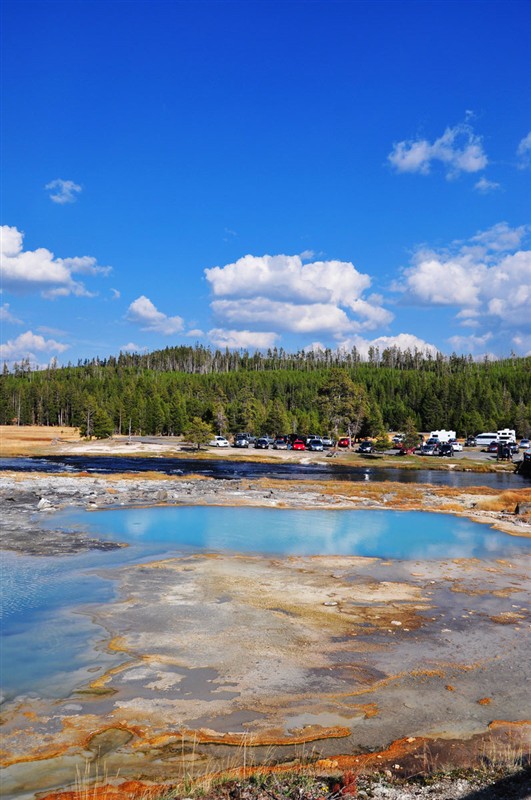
<point>259,174</point>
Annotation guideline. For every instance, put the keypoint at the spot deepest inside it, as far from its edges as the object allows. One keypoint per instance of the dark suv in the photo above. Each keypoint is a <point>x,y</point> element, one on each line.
<point>365,447</point>
<point>446,449</point>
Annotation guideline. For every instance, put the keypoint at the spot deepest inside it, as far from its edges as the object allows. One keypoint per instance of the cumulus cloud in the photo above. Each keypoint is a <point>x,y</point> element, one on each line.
<point>144,313</point>
<point>63,191</point>
<point>286,277</point>
<point>27,345</point>
<point>283,293</point>
<point>469,344</point>
<point>484,186</point>
<point>524,152</point>
<point>246,340</point>
<point>7,316</point>
<point>500,237</point>
<point>488,276</point>
<point>314,347</point>
<point>263,313</point>
<point>25,271</point>
<point>459,150</point>
<point>402,341</point>
<point>130,347</point>
<point>523,343</point>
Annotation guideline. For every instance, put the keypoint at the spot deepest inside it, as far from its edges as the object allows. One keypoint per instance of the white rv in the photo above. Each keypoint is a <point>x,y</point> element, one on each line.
<point>484,439</point>
<point>506,435</point>
<point>442,436</point>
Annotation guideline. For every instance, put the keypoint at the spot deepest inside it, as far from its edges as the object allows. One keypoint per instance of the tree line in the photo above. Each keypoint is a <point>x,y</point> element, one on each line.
<point>275,392</point>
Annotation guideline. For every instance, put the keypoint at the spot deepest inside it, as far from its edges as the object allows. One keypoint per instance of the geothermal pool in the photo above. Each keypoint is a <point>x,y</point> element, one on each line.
<point>50,644</point>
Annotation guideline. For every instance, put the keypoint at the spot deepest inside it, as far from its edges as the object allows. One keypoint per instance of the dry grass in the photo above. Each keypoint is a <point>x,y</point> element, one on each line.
<point>18,440</point>
<point>505,501</point>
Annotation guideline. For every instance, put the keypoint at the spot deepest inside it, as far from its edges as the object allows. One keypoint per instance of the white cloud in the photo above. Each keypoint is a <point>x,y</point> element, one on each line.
<point>483,277</point>
<point>524,151</point>
<point>144,313</point>
<point>459,149</point>
<point>116,294</point>
<point>287,278</point>
<point>27,345</point>
<point>315,347</point>
<point>444,281</point>
<point>38,270</point>
<point>484,186</point>
<point>284,293</point>
<point>403,341</point>
<point>469,344</point>
<point>131,347</point>
<point>263,313</point>
<point>469,317</point>
<point>501,237</point>
<point>63,191</point>
<point>375,315</point>
<point>195,332</point>
<point>247,340</point>
<point>7,316</point>
<point>523,343</point>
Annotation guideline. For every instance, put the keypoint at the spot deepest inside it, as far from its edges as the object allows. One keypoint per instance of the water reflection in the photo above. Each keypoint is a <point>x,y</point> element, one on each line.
<point>376,533</point>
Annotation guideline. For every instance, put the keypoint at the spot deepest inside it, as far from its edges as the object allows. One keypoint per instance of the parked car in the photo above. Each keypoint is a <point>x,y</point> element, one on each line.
<point>446,449</point>
<point>525,444</point>
<point>470,441</point>
<point>328,441</point>
<point>281,443</point>
<point>219,441</point>
<point>241,440</point>
<point>262,443</point>
<point>366,447</point>
<point>493,447</point>
<point>514,447</point>
<point>456,446</point>
<point>343,442</point>
<point>314,444</point>
<point>298,444</point>
<point>428,450</point>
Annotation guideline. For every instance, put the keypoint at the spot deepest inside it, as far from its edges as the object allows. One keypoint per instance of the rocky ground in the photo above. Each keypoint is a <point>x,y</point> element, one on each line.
<point>486,784</point>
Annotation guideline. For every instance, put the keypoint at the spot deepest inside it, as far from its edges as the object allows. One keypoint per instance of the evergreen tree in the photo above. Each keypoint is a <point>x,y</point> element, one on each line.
<point>102,424</point>
<point>411,436</point>
<point>342,402</point>
<point>199,432</point>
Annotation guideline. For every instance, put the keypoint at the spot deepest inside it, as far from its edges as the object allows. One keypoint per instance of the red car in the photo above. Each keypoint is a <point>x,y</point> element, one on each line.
<point>298,444</point>
<point>343,442</point>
